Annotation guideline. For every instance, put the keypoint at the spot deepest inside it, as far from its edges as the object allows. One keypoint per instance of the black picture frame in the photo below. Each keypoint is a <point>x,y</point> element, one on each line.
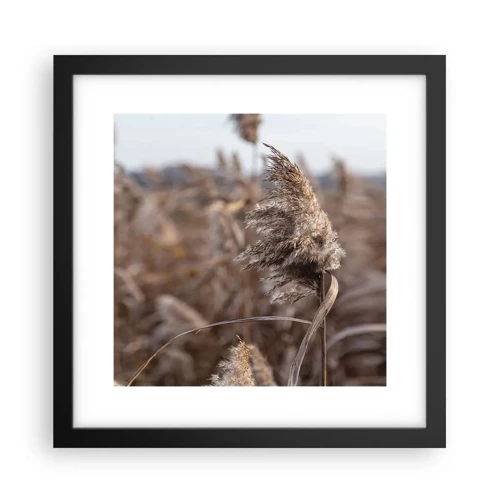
<point>433,435</point>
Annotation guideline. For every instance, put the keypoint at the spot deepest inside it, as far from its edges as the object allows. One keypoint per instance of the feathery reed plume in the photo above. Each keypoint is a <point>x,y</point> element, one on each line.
<point>262,372</point>
<point>244,366</point>
<point>303,165</point>
<point>247,126</point>
<point>298,243</point>
<point>236,369</point>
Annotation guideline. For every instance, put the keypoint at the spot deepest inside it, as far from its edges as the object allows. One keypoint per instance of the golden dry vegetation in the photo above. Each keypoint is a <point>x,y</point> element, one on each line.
<point>176,245</point>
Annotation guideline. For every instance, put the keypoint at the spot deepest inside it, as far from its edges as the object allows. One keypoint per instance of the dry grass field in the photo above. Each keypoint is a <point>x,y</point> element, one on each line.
<point>177,239</point>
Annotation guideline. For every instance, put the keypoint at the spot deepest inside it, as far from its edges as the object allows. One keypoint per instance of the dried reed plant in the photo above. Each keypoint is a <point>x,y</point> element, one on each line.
<point>244,366</point>
<point>206,211</point>
<point>247,126</point>
<point>235,369</point>
<point>298,245</point>
<point>304,166</point>
<point>297,242</point>
<point>262,371</point>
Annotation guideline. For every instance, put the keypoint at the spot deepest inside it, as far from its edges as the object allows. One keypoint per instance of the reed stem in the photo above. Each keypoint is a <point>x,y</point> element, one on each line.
<point>323,310</point>
<point>323,335</point>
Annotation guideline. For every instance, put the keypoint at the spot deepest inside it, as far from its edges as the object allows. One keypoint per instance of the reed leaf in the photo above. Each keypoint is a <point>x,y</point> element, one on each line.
<point>320,315</point>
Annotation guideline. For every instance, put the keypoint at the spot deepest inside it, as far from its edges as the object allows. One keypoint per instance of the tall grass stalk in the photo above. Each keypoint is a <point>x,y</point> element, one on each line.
<point>323,335</point>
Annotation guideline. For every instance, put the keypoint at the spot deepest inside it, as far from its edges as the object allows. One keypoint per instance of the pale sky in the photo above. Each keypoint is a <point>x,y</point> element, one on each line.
<point>162,140</point>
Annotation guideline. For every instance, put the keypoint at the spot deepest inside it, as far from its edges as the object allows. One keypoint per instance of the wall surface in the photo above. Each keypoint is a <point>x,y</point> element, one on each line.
<point>467,33</point>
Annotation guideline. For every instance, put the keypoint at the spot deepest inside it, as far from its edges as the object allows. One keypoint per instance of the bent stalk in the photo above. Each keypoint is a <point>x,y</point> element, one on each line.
<point>196,330</point>
<point>324,308</point>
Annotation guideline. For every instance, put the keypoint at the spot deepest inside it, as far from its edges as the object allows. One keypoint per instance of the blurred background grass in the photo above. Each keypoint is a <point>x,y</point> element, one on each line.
<point>183,184</point>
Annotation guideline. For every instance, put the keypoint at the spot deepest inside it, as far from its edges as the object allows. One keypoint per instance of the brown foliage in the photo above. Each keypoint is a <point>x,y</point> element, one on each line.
<point>175,250</point>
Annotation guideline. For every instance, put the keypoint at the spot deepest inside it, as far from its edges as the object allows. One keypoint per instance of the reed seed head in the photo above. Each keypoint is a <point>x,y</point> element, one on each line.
<point>247,126</point>
<point>244,366</point>
<point>261,370</point>
<point>297,241</point>
<point>236,369</point>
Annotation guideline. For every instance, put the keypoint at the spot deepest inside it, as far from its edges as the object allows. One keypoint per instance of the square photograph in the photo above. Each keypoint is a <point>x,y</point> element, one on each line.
<point>250,250</point>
